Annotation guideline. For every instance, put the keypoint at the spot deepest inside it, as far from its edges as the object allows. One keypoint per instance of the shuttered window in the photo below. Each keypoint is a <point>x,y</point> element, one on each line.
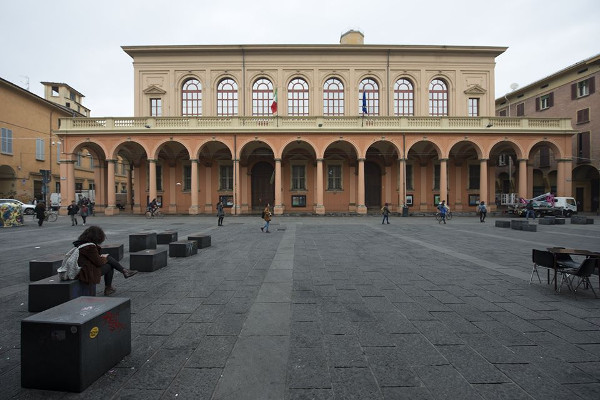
<point>520,109</point>
<point>583,147</point>
<point>583,116</point>
<point>583,88</point>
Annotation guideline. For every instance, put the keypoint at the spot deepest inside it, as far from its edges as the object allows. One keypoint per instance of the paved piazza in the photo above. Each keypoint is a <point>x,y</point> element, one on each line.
<point>331,308</point>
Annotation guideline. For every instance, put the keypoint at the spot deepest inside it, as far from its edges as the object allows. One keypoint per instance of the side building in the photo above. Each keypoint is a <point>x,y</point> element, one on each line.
<point>315,128</point>
<point>568,93</point>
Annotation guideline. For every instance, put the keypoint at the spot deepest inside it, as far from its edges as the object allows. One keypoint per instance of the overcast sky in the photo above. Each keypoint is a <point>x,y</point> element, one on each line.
<point>79,42</point>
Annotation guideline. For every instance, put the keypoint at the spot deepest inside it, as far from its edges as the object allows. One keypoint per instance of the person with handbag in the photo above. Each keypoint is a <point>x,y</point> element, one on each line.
<point>93,264</point>
<point>84,212</point>
<point>266,215</point>
<point>220,213</point>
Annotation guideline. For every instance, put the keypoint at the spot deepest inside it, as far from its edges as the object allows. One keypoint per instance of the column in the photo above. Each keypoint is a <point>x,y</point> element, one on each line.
<point>401,182</point>
<point>278,207</point>
<point>111,208</point>
<point>424,195</point>
<point>172,190</point>
<point>237,188</point>
<point>483,180</point>
<point>70,182</point>
<point>523,178</point>
<point>138,193</point>
<point>564,177</point>
<point>129,188</point>
<point>491,187</point>
<point>362,209</point>
<point>194,187</point>
<point>387,189</point>
<point>320,189</point>
<point>208,208</point>
<point>444,179</point>
<point>458,203</point>
<point>530,180</point>
<point>152,179</point>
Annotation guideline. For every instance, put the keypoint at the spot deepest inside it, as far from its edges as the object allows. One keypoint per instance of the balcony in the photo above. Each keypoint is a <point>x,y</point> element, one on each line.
<point>149,125</point>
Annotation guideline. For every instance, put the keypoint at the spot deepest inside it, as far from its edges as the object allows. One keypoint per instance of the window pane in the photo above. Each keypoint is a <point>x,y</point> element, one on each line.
<point>371,96</point>
<point>334,177</point>
<point>298,177</point>
<point>438,98</point>
<point>191,98</point>
<point>226,177</point>
<point>227,98</point>
<point>333,98</point>
<point>262,97</point>
<point>474,176</point>
<point>187,177</point>
<point>298,98</point>
<point>473,107</point>
<point>403,98</point>
<point>156,107</point>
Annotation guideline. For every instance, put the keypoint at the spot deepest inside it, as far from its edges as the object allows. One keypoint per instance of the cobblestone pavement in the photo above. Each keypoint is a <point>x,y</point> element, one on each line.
<point>331,308</point>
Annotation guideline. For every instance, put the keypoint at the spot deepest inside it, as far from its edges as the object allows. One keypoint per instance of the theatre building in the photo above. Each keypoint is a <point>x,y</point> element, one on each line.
<point>338,128</point>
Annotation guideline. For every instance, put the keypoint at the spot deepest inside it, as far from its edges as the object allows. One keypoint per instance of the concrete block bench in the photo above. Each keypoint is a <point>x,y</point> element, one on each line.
<point>68,347</point>
<point>113,249</point>
<point>517,224</point>
<point>547,220</point>
<point>44,266</point>
<point>166,237</point>
<point>183,248</point>
<point>559,221</point>
<point>142,241</point>
<point>529,227</point>
<point>502,224</point>
<point>203,240</point>
<point>50,292</point>
<point>148,260</point>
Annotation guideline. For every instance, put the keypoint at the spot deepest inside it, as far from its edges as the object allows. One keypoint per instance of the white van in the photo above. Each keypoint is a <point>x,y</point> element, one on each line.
<point>568,204</point>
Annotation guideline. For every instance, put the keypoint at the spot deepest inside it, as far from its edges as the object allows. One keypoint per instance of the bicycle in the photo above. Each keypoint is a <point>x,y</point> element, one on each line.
<point>50,216</point>
<point>438,216</point>
<point>155,214</point>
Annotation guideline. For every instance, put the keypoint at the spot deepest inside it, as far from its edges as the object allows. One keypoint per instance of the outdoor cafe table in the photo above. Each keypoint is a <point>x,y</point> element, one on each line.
<point>572,252</point>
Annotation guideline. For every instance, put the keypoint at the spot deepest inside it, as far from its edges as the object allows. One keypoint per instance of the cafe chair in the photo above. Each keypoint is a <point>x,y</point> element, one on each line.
<point>564,260</point>
<point>584,271</point>
<point>543,259</point>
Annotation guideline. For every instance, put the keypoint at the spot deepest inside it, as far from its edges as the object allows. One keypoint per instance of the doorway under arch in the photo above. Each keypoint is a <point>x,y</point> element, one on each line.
<point>372,185</point>
<point>263,185</point>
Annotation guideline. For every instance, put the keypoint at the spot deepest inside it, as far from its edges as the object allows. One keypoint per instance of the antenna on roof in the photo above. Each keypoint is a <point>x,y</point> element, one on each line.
<point>26,81</point>
<point>514,86</point>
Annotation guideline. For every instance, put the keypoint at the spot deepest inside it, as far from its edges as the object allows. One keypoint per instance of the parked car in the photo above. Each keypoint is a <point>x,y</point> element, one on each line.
<point>26,208</point>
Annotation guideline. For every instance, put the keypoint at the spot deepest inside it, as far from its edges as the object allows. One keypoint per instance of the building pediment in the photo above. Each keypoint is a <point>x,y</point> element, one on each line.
<point>475,89</point>
<point>153,89</point>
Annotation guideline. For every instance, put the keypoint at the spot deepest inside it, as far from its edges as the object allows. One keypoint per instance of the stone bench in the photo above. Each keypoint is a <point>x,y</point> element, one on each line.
<point>68,347</point>
<point>517,224</point>
<point>142,241</point>
<point>50,292</point>
<point>44,266</point>
<point>203,240</point>
<point>547,220</point>
<point>148,260</point>
<point>166,237</point>
<point>559,221</point>
<point>183,248</point>
<point>502,224</point>
<point>113,249</point>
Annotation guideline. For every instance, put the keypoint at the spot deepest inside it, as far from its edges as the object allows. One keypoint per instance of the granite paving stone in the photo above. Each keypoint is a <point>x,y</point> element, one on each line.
<point>316,310</point>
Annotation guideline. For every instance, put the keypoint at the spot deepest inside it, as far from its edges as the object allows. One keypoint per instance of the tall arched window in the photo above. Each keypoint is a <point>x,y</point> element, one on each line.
<point>298,97</point>
<point>333,97</point>
<point>262,97</point>
<point>369,88</point>
<point>191,98</point>
<point>438,98</point>
<point>404,98</point>
<point>227,98</point>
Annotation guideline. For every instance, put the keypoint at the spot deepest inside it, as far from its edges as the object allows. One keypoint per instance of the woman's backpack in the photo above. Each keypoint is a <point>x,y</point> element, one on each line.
<point>70,267</point>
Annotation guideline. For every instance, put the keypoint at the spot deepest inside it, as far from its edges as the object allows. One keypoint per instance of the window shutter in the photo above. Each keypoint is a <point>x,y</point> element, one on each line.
<point>585,146</point>
<point>551,100</point>
<point>573,91</point>
<point>537,103</point>
<point>520,109</point>
<point>592,84</point>
<point>586,115</point>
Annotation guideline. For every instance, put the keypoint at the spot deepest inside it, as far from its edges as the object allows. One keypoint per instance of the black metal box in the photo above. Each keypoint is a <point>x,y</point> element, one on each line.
<point>148,260</point>
<point>68,347</point>
<point>203,240</point>
<point>50,292</point>
<point>44,266</point>
<point>166,237</point>
<point>142,241</point>
<point>183,248</point>
<point>113,249</point>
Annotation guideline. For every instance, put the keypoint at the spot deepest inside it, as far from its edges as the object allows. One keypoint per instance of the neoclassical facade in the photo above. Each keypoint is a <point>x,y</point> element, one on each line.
<point>314,129</point>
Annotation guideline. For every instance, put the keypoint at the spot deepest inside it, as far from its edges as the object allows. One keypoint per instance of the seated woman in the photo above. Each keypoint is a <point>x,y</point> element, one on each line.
<point>93,265</point>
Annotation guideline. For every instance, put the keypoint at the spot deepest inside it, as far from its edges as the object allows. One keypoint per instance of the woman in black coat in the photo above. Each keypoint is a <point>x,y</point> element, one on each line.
<point>40,212</point>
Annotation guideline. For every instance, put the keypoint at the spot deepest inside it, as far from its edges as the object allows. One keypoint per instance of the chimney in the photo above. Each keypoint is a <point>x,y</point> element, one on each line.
<point>352,37</point>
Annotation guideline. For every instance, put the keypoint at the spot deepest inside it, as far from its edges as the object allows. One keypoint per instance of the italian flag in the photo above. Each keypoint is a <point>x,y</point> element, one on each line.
<point>274,103</point>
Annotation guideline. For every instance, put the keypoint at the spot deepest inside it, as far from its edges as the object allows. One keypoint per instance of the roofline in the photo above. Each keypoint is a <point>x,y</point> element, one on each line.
<point>592,60</point>
<point>38,98</point>
<point>133,50</point>
<point>64,84</point>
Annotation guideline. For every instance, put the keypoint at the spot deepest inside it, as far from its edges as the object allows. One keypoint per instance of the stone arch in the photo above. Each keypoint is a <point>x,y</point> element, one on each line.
<point>8,179</point>
<point>350,142</point>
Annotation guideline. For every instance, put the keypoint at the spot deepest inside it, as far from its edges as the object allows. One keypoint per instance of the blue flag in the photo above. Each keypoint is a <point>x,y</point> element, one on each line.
<point>364,103</point>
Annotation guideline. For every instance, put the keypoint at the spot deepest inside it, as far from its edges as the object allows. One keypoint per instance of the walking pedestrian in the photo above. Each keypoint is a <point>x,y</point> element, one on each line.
<point>40,212</point>
<point>529,210</point>
<point>482,211</point>
<point>220,213</point>
<point>385,211</point>
<point>442,209</point>
<point>84,212</point>
<point>72,210</point>
<point>266,215</point>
